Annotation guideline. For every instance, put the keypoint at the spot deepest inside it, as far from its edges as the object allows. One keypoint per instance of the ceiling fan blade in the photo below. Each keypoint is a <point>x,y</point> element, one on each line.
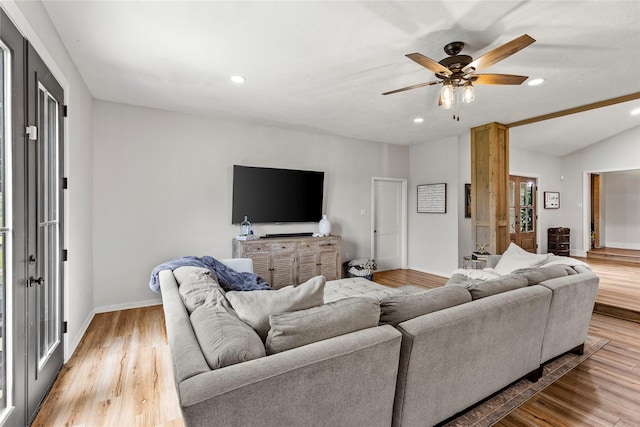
<point>435,82</point>
<point>429,63</point>
<point>499,53</point>
<point>497,79</point>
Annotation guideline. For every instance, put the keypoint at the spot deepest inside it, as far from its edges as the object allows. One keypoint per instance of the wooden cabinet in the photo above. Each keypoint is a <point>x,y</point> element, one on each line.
<point>558,240</point>
<point>292,260</point>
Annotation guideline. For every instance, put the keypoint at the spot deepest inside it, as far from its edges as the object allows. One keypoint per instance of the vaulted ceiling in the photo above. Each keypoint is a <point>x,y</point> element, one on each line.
<point>322,66</point>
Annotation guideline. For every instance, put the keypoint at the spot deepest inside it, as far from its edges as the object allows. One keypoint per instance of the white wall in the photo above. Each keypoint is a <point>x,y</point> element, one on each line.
<point>548,173</point>
<point>620,152</point>
<point>621,208</point>
<point>433,238</point>
<point>34,23</point>
<point>466,245</point>
<point>163,189</point>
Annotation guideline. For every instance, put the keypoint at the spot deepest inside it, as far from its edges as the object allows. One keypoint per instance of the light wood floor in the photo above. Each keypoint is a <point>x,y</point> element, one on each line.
<point>120,374</point>
<point>619,286</point>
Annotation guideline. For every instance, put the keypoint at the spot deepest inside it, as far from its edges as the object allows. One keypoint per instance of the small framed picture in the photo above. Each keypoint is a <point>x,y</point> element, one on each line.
<point>551,200</point>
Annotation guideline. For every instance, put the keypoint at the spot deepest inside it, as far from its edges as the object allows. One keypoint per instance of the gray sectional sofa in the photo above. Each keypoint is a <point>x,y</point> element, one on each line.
<point>433,354</point>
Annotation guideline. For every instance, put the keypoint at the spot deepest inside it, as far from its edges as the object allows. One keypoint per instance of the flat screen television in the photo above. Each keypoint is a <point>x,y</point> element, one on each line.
<point>269,195</point>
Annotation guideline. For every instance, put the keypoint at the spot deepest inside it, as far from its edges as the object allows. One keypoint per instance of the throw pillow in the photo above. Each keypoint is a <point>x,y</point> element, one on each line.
<point>298,328</point>
<point>254,307</point>
<point>398,308</point>
<point>484,288</point>
<point>195,284</point>
<point>537,275</point>
<point>186,273</point>
<point>515,258</point>
<point>224,339</point>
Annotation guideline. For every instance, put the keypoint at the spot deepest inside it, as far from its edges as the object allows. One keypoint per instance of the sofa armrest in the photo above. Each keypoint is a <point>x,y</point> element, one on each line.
<point>346,380</point>
<point>453,358</point>
<point>570,312</point>
<point>242,265</point>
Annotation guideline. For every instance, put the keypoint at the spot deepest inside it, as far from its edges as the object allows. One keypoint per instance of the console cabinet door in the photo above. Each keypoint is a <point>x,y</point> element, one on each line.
<point>329,259</point>
<point>283,271</point>
<point>307,257</point>
<point>329,264</point>
<point>262,265</point>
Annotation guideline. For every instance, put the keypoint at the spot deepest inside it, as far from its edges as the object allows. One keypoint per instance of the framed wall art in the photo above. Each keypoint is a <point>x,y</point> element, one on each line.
<point>551,200</point>
<point>432,198</point>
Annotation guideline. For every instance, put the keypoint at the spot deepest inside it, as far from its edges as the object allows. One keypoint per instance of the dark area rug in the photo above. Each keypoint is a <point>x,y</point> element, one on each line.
<point>502,404</point>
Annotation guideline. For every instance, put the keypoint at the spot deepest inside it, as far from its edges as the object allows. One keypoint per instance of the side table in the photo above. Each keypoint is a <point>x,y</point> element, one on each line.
<point>469,263</point>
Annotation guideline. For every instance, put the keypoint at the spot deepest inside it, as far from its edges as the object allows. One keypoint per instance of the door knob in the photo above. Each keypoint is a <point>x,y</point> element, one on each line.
<point>33,281</point>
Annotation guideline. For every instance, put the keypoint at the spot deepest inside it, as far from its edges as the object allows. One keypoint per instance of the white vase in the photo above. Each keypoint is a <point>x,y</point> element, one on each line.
<point>324,226</point>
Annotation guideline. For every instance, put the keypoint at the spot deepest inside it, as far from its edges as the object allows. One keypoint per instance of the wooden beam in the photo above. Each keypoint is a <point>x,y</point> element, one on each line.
<point>575,110</point>
<point>489,185</point>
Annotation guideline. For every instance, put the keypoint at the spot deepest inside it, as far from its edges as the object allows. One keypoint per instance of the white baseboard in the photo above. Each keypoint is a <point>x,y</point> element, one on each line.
<point>127,306</point>
<point>580,254</point>
<point>72,346</point>
<point>622,245</point>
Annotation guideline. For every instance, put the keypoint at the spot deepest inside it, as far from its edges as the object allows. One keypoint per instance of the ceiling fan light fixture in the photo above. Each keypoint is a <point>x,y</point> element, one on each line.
<point>635,112</point>
<point>237,79</point>
<point>535,82</point>
<point>468,93</point>
<point>447,95</point>
<point>418,120</point>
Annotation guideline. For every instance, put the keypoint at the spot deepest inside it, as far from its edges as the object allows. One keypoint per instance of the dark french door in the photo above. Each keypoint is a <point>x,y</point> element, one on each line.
<point>45,202</point>
<point>522,212</point>
<point>31,227</point>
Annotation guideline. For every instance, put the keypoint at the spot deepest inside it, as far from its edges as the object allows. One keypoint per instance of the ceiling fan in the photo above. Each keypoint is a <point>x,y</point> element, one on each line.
<point>457,71</point>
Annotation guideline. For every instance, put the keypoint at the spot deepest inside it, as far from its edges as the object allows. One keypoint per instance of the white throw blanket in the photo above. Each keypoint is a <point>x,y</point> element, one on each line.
<point>564,260</point>
<point>517,258</point>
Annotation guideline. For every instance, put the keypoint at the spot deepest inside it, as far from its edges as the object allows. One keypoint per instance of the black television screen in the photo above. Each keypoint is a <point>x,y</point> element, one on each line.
<point>268,195</point>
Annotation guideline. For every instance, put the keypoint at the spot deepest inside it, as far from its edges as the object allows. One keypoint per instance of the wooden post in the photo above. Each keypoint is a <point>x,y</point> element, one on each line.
<point>489,186</point>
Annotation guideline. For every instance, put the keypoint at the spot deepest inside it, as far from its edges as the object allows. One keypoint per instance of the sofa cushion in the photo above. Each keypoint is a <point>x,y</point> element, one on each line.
<point>540,274</point>
<point>484,288</point>
<point>255,307</point>
<point>357,287</point>
<point>224,339</point>
<point>515,258</point>
<point>398,308</point>
<point>195,284</point>
<point>298,328</point>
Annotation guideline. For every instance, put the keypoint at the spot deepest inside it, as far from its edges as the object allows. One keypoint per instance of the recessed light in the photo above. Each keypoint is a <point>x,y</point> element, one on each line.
<point>535,82</point>
<point>418,120</point>
<point>238,79</point>
<point>635,112</point>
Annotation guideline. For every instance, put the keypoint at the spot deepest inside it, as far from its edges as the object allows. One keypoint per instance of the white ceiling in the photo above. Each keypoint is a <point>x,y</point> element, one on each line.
<point>322,66</point>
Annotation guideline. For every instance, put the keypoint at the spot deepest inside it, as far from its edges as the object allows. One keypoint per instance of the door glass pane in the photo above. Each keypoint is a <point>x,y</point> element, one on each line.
<point>526,220</point>
<point>48,245</point>
<point>525,194</point>
<point>530,220</point>
<point>5,221</point>
<point>528,190</point>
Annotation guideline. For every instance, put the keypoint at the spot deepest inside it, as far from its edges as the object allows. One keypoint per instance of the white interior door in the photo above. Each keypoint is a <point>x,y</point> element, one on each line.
<point>389,223</point>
